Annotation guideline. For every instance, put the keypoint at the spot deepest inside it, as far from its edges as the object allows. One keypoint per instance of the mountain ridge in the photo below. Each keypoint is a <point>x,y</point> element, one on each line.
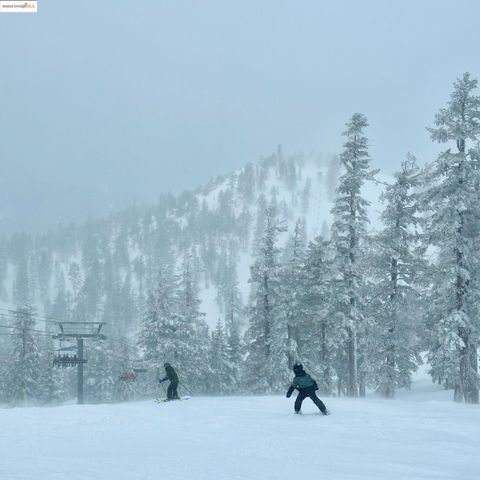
<point>53,270</point>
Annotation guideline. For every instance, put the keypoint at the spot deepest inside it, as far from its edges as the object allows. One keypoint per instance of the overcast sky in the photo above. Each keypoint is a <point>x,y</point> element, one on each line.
<point>102,103</point>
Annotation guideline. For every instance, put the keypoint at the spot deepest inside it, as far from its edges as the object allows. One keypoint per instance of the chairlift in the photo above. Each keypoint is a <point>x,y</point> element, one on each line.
<point>129,376</point>
<point>138,367</point>
<point>65,360</point>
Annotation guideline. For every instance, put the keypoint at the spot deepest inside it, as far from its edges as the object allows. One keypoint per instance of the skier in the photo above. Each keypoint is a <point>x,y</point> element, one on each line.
<point>173,378</point>
<point>306,387</point>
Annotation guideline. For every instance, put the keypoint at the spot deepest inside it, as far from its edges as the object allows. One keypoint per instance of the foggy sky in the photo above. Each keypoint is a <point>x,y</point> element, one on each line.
<point>103,103</point>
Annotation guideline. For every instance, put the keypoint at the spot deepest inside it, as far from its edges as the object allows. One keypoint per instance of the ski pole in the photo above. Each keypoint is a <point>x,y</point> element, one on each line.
<point>164,391</point>
<point>186,388</point>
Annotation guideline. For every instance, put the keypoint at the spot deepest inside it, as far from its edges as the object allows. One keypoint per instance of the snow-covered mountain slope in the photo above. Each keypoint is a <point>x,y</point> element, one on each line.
<point>255,438</point>
<point>103,269</point>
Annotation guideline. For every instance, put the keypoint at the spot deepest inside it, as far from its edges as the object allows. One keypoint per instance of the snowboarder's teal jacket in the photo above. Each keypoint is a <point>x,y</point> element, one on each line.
<point>302,381</point>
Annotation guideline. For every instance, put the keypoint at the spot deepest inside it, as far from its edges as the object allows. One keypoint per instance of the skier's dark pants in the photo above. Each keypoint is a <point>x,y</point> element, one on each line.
<point>303,394</point>
<point>172,391</point>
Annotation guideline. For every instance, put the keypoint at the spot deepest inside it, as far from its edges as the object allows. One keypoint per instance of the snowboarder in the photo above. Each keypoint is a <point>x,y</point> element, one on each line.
<point>306,387</point>
<point>173,378</point>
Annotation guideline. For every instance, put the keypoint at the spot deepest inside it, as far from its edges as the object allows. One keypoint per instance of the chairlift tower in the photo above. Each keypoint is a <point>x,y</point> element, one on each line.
<point>79,331</point>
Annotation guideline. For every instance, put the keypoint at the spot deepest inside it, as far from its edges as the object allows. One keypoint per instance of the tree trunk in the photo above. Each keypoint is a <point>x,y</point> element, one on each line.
<point>325,359</point>
<point>266,329</point>
<point>474,395</point>
<point>468,352</point>
<point>390,386</point>
<point>458,393</point>
<point>468,370</point>
<point>352,386</point>
<point>290,340</point>
<point>362,388</point>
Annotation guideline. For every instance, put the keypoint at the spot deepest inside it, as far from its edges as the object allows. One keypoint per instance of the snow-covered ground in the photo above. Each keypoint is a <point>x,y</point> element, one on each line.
<point>421,435</point>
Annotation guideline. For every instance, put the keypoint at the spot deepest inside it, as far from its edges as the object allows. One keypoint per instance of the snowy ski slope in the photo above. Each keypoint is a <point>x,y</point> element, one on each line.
<point>422,435</point>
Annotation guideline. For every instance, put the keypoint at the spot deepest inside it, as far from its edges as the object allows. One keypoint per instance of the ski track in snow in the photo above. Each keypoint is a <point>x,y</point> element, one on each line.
<point>251,438</point>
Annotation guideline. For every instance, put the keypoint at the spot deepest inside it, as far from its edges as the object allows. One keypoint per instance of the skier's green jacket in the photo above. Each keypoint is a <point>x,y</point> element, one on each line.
<point>171,375</point>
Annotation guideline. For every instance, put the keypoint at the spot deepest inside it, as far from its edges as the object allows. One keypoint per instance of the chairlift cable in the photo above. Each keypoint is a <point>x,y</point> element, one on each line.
<point>29,329</point>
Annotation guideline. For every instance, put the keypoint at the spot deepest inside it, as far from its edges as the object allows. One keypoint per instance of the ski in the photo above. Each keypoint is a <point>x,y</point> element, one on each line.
<point>166,400</point>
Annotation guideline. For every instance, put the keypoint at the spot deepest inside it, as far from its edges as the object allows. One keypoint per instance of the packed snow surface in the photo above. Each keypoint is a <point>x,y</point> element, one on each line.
<point>419,436</point>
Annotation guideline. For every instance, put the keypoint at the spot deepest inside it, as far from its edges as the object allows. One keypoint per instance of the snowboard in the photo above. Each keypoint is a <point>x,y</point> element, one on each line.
<point>317,413</point>
<point>164,400</point>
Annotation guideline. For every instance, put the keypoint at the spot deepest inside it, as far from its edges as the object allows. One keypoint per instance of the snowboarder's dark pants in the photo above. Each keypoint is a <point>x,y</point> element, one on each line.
<point>302,395</point>
<point>172,391</point>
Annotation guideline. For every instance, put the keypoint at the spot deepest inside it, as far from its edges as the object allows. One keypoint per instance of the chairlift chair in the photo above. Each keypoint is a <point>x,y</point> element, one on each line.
<point>129,376</point>
<point>65,360</point>
<point>138,367</point>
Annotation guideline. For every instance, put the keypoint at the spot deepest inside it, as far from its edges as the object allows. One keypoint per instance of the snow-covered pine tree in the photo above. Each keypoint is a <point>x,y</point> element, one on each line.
<point>348,231</point>
<point>158,330</point>
<point>233,324</point>
<point>246,183</point>
<point>321,334</point>
<point>292,290</point>
<point>191,331</point>
<point>75,277</point>
<point>235,354</point>
<point>451,203</point>
<point>266,365</point>
<point>394,318</point>
<point>52,387</point>
<point>24,371</point>
<point>124,355</point>
<point>100,377</point>
<point>220,379</point>
<point>89,296</point>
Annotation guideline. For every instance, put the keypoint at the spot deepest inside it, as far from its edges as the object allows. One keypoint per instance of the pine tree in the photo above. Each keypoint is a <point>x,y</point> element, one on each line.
<point>266,365</point>
<point>192,336</point>
<point>88,304</point>
<point>24,371</point>
<point>348,231</point>
<point>52,388</point>
<point>453,219</point>
<point>75,277</point>
<point>221,379</point>
<point>100,375</point>
<point>123,356</point>
<point>246,183</point>
<point>235,355</point>
<point>321,333</point>
<point>292,292</point>
<point>393,347</point>
<point>233,324</point>
<point>157,336</point>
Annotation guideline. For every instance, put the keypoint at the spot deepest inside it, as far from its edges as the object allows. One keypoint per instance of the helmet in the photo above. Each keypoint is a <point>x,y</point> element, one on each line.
<point>298,367</point>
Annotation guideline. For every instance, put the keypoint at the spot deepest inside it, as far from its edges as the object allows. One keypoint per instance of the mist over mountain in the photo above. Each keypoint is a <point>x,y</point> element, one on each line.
<point>74,271</point>
<point>37,201</point>
<point>163,98</point>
